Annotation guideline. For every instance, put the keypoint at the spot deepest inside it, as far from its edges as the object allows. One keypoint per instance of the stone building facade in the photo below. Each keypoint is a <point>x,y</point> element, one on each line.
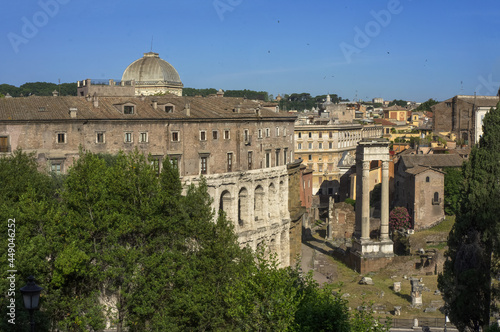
<point>423,195</point>
<point>462,116</point>
<point>329,151</point>
<point>241,148</point>
<point>419,186</point>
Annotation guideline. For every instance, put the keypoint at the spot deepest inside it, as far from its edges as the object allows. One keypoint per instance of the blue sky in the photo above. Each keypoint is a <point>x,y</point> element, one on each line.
<point>406,49</point>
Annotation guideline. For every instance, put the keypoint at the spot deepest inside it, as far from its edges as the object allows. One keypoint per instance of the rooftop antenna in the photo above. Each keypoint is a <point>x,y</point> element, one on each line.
<point>151,43</point>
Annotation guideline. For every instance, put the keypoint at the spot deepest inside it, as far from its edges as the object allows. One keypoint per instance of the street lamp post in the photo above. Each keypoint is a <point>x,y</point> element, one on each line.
<point>31,298</point>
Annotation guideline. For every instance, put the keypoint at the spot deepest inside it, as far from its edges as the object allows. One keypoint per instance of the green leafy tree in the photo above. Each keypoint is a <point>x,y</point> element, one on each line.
<point>118,242</point>
<point>398,102</point>
<point>473,243</point>
<point>426,106</point>
<point>453,185</point>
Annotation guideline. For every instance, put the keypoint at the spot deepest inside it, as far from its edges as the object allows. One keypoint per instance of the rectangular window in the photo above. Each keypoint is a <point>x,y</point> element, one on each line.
<point>277,131</point>
<point>204,165</point>
<point>128,137</point>
<point>229,162</point>
<point>169,109</point>
<point>215,134</point>
<point>61,138</point>
<point>330,145</point>
<point>175,136</point>
<point>277,156</point>
<point>330,134</point>
<point>284,156</point>
<point>249,159</point>
<point>175,160</point>
<point>260,133</point>
<point>268,132</point>
<point>155,163</point>
<point>99,138</point>
<point>320,168</point>
<point>128,109</point>
<point>4,144</point>
<point>56,167</point>
<point>226,134</point>
<point>299,146</point>
<point>246,135</point>
<point>309,157</point>
<point>310,146</point>
<point>300,135</point>
<point>143,137</point>
<point>310,134</point>
<point>320,146</point>
<point>320,134</point>
<point>268,159</point>
<point>203,135</point>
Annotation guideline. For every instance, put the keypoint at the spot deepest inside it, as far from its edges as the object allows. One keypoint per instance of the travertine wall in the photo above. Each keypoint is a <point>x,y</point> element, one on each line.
<point>256,202</point>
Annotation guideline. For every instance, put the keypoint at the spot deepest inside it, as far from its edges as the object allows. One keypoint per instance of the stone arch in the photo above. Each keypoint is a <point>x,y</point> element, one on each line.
<point>243,217</point>
<point>272,201</point>
<point>283,203</point>
<point>258,203</point>
<point>225,202</point>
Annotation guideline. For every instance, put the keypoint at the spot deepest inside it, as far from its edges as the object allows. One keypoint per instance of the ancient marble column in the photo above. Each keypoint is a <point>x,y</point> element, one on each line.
<point>365,200</point>
<point>384,217</point>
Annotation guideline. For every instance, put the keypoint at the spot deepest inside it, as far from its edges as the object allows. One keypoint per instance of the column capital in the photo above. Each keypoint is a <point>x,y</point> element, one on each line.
<point>366,164</point>
<point>385,164</point>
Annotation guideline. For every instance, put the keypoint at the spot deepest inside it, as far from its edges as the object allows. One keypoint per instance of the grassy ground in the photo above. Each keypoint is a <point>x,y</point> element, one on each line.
<point>382,294</point>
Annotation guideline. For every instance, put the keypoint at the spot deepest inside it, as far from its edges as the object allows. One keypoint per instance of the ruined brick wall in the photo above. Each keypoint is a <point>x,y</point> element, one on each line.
<point>342,219</point>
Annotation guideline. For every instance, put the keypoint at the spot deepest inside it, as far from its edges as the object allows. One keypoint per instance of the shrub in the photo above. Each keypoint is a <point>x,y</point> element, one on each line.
<point>399,219</point>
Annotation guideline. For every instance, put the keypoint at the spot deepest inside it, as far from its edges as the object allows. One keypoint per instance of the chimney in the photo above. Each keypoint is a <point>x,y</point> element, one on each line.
<point>237,108</point>
<point>155,103</point>
<point>88,97</point>
<point>257,110</point>
<point>187,109</point>
<point>72,112</point>
<point>55,93</point>
<point>95,100</point>
<point>220,93</point>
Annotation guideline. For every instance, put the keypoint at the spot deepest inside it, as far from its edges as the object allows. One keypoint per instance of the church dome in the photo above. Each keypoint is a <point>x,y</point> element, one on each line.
<point>151,69</point>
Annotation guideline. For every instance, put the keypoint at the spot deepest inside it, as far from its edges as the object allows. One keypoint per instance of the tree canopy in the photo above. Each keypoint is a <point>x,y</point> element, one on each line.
<point>39,89</point>
<point>473,243</point>
<point>426,106</point>
<point>113,241</point>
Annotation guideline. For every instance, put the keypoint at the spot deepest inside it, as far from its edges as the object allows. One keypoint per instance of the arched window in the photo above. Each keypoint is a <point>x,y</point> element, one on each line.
<point>436,200</point>
<point>259,203</point>
<point>225,201</point>
<point>272,201</point>
<point>427,179</point>
<point>243,207</point>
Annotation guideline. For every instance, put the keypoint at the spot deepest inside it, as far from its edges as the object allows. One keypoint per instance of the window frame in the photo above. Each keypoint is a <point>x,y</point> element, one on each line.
<point>100,137</point>
<point>128,109</point>
<point>60,135</point>
<point>203,135</point>
<point>142,135</point>
<point>131,137</point>
<point>175,136</point>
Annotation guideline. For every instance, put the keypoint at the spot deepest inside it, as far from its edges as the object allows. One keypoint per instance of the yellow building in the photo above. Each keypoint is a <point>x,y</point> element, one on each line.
<point>329,150</point>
